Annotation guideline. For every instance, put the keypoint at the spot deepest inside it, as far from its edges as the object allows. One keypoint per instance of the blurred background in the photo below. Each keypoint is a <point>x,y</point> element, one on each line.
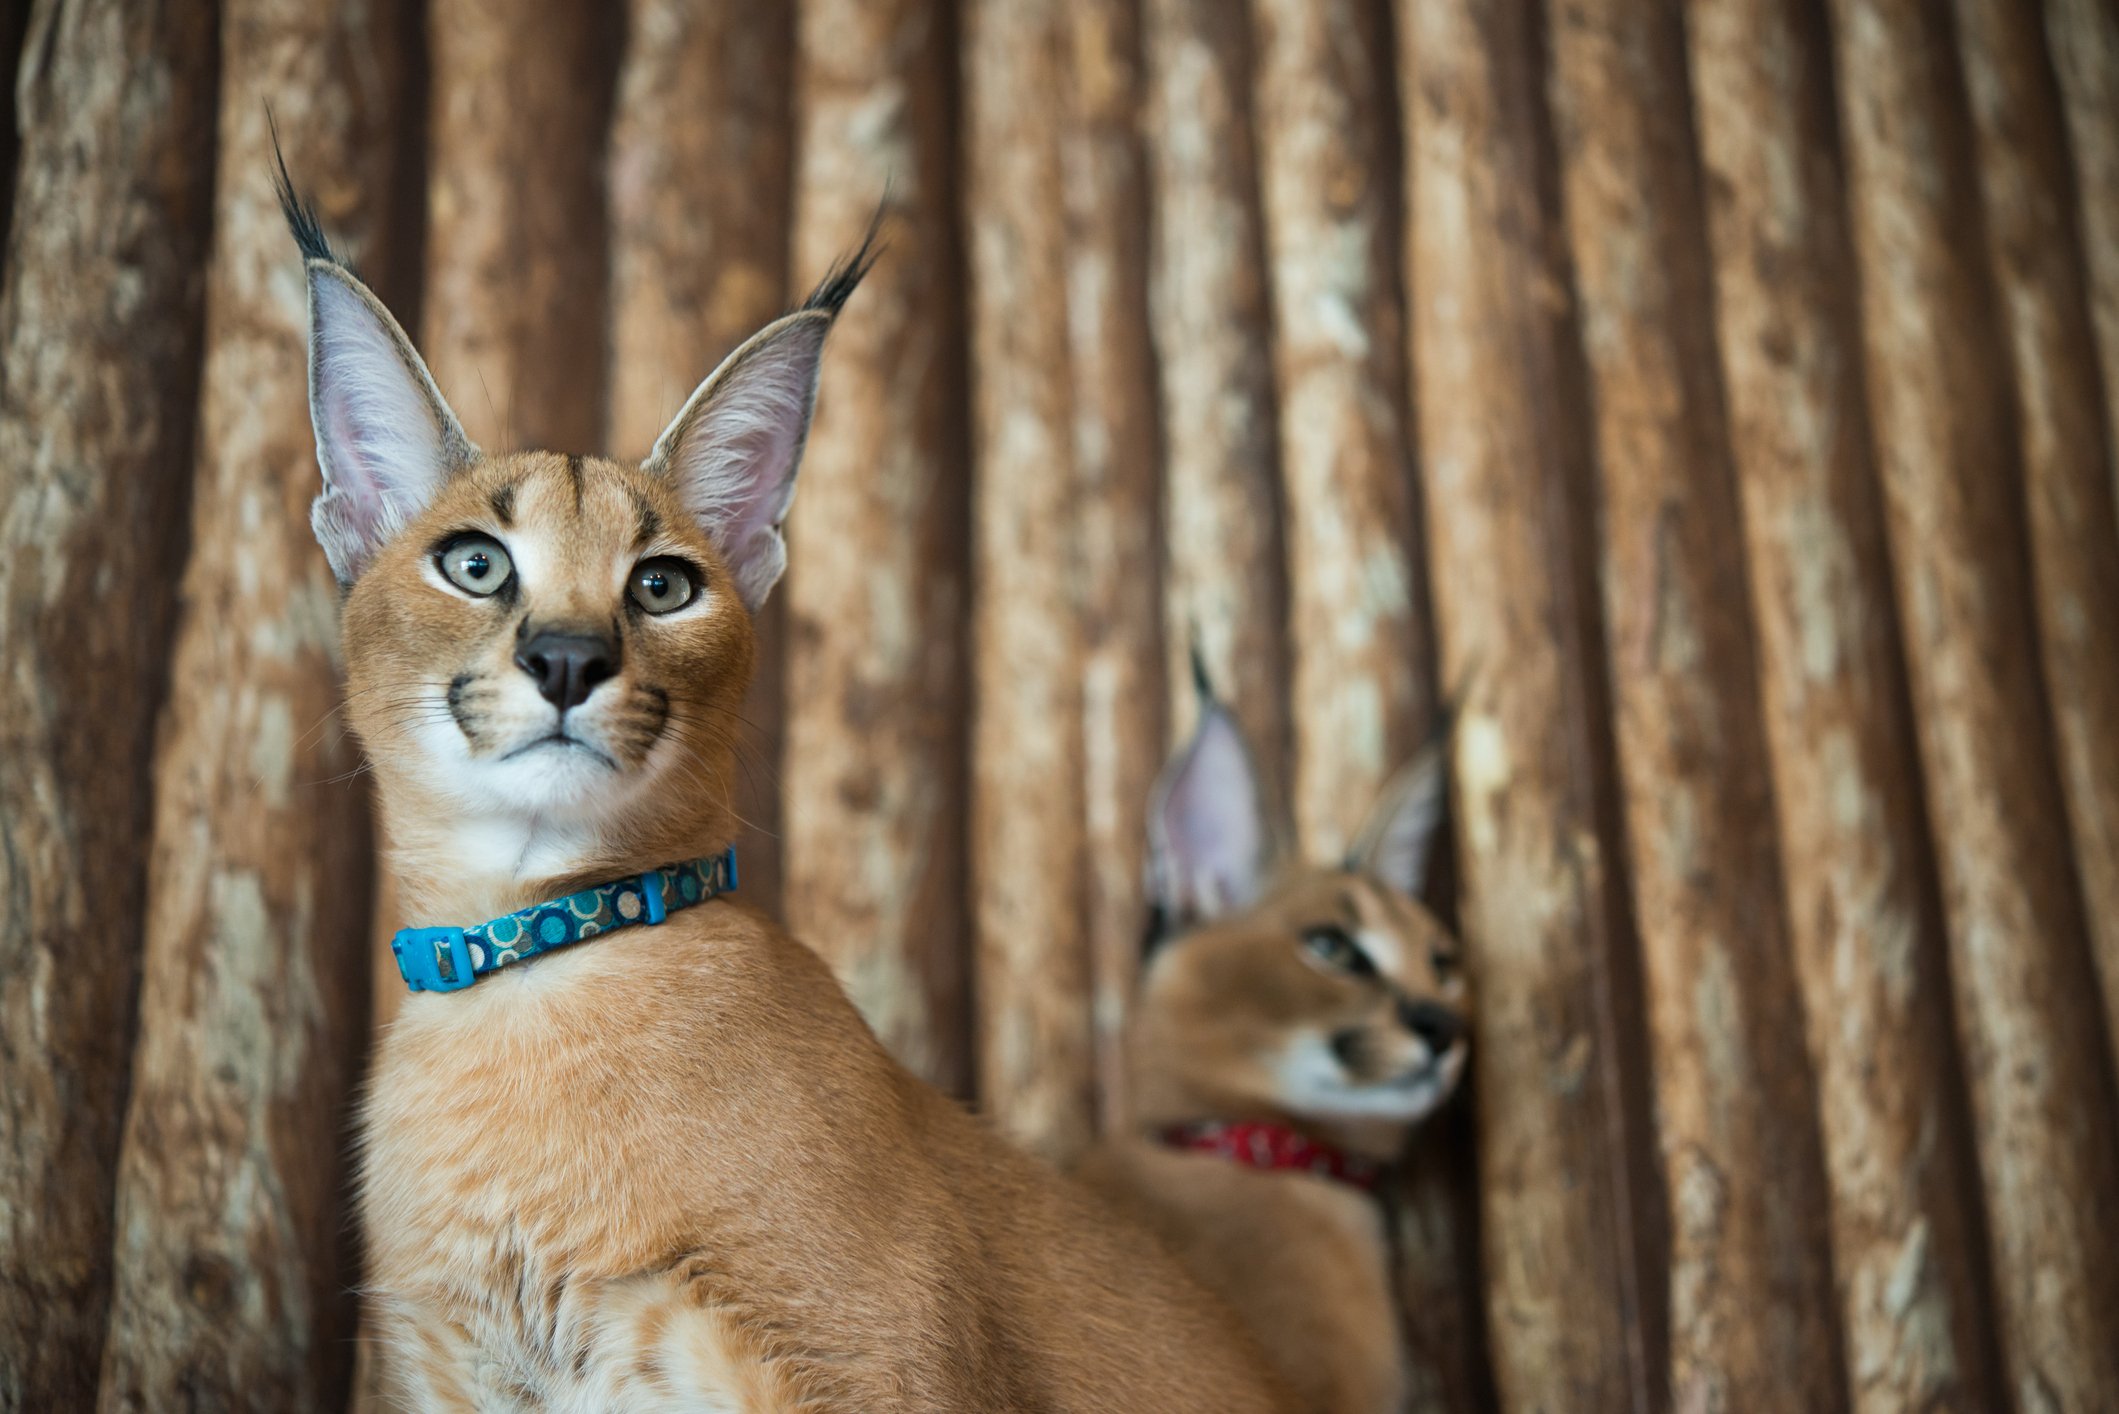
<point>1714,402</point>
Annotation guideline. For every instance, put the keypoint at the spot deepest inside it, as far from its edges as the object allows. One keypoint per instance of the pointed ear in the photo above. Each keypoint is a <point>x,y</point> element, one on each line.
<point>384,437</point>
<point>733,449</point>
<point>1397,842</point>
<point>1208,844</point>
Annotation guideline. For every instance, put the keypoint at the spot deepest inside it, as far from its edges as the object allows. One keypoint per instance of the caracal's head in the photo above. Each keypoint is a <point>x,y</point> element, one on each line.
<point>1325,996</point>
<point>541,642</point>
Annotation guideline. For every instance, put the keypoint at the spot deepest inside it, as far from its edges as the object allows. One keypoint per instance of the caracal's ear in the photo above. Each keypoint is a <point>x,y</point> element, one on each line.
<point>1397,842</point>
<point>733,449</point>
<point>384,437</point>
<point>1208,842</point>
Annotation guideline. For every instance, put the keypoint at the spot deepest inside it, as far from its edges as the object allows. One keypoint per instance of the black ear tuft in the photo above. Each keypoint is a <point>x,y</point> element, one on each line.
<point>844,278</point>
<point>301,217</point>
<point>1202,681</point>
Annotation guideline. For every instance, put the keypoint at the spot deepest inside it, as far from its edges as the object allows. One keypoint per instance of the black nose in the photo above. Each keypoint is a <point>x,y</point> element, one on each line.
<point>1431,1022</point>
<point>567,666</point>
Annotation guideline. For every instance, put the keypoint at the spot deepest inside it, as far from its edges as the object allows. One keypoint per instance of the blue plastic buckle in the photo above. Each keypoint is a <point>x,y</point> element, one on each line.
<point>651,890</point>
<point>422,954</point>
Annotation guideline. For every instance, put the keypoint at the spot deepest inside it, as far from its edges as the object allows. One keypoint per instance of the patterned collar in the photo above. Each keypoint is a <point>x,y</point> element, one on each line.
<point>1260,1144</point>
<point>450,959</point>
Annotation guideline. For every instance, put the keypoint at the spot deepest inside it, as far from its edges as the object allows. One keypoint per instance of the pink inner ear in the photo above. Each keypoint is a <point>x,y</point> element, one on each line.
<point>1212,821</point>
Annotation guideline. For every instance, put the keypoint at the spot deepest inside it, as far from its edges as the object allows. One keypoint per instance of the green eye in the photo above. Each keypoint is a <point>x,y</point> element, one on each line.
<point>1331,945</point>
<point>476,564</point>
<point>661,586</point>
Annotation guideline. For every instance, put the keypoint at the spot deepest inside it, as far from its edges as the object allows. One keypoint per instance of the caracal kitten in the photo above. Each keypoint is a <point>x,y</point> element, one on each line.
<point>1293,1023</point>
<point>668,1168</point>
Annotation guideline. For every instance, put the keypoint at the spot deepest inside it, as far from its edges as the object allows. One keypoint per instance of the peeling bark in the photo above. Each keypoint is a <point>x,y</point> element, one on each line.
<point>231,1285</point>
<point>514,293</point>
<point>1358,636</point>
<point>1862,916</point>
<point>1516,626</point>
<point>874,778</point>
<point>700,170</point>
<point>99,344</point>
<point>1118,523</point>
<point>2064,439</point>
<point>1225,583</point>
<point>2083,39</point>
<point>2041,1083</point>
<point>1036,1065</point>
<point>1749,1276</point>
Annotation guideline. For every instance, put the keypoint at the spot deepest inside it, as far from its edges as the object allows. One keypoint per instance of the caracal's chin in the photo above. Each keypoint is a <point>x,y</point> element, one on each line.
<point>531,765</point>
<point>1310,1081</point>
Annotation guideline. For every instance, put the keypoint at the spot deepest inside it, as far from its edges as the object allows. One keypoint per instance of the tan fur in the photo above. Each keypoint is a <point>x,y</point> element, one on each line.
<point>1304,1259</point>
<point>672,1168</point>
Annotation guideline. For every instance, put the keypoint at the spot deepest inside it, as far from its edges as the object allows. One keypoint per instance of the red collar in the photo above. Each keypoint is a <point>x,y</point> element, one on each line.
<point>1261,1144</point>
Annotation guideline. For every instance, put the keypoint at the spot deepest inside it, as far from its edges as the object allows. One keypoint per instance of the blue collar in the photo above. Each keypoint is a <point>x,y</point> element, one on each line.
<point>450,959</point>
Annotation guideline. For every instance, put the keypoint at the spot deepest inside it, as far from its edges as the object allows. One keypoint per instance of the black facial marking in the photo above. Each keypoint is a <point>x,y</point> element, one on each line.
<point>574,471</point>
<point>504,505</point>
<point>650,522</point>
<point>458,710</point>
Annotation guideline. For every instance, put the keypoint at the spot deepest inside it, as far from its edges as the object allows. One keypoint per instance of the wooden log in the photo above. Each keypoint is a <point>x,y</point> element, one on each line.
<point>1561,1148</point>
<point>1359,642</point>
<point>232,1287</point>
<point>2041,1084</point>
<point>1861,911</point>
<point>701,162</point>
<point>1361,648</point>
<point>2065,441</point>
<point>1749,1275</point>
<point>14,21</point>
<point>874,776</point>
<point>1225,581</point>
<point>2083,38</point>
<point>1036,1066</point>
<point>1118,513</point>
<point>516,262</point>
<point>99,355</point>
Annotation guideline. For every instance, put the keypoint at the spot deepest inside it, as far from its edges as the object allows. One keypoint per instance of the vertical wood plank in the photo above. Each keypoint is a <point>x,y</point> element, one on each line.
<point>1118,514</point>
<point>874,778</point>
<point>1749,1276</point>
<point>2083,39</point>
<point>1225,581</point>
<point>700,167</point>
<point>232,1279</point>
<point>2064,439</point>
<point>1861,911</point>
<point>1359,644</point>
<point>2040,1082</point>
<point>1036,1063</point>
<point>1517,642</point>
<point>516,264</point>
<point>99,367</point>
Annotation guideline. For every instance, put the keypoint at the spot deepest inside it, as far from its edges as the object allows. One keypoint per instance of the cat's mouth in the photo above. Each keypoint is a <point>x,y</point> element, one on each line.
<point>560,741</point>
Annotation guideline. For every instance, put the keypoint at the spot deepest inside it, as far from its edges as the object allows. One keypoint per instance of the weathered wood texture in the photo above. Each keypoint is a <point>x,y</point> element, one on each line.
<point>700,164</point>
<point>516,251</point>
<point>1225,583</point>
<point>873,784</point>
<point>1515,621</point>
<point>2064,439</point>
<point>1937,373</point>
<point>1749,1276</point>
<point>99,346</point>
<point>1360,651</point>
<point>2082,37</point>
<point>233,1284</point>
<point>1036,1057</point>
<point>1117,513</point>
<point>1861,912</point>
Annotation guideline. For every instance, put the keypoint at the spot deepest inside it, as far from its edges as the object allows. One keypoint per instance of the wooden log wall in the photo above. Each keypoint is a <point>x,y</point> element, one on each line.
<point>1713,404</point>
